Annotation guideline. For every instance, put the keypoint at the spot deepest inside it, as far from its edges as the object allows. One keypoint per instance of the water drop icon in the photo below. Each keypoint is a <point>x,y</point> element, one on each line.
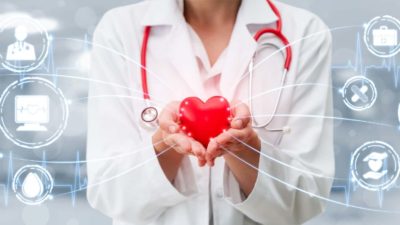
<point>32,186</point>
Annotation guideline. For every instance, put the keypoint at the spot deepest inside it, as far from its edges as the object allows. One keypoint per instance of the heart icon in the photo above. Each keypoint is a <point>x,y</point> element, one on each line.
<point>375,165</point>
<point>204,120</point>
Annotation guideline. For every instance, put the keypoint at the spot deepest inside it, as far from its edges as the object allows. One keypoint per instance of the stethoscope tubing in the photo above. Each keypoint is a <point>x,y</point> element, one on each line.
<point>255,124</point>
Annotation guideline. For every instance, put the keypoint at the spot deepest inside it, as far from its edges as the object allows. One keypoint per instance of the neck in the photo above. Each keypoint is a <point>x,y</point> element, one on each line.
<point>211,11</point>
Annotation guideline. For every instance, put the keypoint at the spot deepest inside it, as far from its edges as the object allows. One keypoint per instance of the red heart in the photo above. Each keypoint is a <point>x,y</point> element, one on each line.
<point>203,121</point>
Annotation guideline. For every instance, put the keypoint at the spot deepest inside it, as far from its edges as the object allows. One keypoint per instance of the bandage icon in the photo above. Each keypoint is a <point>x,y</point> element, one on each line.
<point>359,93</point>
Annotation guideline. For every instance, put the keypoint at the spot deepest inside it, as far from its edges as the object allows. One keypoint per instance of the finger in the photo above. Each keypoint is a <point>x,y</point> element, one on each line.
<point>198,149</point>
<point>225,137</point>
<point>212,148</point>
<point>213,152</point>
<point>169,118</point>
<point>211,163</point>
<point>181,143</point>
<point>202,162</point>
<point>233,135</point>
<point>220,152</point>
<point>241,116</point>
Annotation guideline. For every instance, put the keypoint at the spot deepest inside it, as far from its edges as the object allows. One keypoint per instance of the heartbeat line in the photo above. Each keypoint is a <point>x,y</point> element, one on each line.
<point>357,65</point>
<point>32,109</point>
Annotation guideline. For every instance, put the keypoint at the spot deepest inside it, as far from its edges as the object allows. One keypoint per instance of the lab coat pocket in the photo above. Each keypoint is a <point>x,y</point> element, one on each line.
<point>271,138</point>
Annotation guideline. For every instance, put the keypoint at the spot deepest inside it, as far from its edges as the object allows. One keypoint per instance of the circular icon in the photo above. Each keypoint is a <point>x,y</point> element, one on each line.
<point>26,44</point>
<point>359,93</point>
<point>381,36</point>
<point>33,113</point>
<point>32,184</point>
<point>375,166</point>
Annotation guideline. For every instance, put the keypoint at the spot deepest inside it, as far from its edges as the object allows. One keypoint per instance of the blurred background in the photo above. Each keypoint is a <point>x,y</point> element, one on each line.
<point>71,23</point>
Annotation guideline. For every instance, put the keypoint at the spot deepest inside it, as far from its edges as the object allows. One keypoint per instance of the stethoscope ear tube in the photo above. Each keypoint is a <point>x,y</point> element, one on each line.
<point>288,60</point>
<point>255,124</point>
<point>283,39</point>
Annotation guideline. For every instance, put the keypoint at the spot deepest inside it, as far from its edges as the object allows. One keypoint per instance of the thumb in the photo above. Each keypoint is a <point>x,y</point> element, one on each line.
<point>241,116</point>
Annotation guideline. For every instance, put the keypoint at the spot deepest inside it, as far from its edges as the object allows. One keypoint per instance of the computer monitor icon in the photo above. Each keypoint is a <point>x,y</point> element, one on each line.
<point>32,111</point>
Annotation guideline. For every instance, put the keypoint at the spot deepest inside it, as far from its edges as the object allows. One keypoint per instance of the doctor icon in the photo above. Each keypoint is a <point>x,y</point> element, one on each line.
<point>21,50</point>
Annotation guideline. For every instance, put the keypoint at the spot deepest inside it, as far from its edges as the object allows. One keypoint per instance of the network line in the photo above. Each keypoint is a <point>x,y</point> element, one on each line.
<point>80,182</point>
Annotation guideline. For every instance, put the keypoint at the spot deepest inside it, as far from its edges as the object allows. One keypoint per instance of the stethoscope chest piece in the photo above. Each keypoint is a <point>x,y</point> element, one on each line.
<point>149,117</point>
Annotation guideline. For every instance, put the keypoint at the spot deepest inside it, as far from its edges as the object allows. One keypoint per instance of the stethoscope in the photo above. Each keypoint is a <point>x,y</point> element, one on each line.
<point>149,115</point>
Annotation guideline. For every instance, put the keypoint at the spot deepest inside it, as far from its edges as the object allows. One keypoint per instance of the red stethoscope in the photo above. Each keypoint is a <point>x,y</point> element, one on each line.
<point>150,113</point>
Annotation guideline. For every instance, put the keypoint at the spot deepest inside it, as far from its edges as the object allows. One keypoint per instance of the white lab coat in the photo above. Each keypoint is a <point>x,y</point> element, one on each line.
<point>126,181</point>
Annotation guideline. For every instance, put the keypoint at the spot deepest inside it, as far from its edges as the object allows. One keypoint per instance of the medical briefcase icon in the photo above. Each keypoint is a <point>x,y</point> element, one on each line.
<point>384,37</point>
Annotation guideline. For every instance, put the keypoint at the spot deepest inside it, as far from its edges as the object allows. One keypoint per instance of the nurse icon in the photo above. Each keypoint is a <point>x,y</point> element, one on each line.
<point>21,50</point>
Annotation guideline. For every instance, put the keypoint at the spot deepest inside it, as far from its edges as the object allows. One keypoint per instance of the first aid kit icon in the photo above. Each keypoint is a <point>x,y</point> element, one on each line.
<point>381,36</point>
<point>385,37</point>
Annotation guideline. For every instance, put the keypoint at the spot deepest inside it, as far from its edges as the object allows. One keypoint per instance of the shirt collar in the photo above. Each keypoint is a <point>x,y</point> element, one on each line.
<point>169,12</point>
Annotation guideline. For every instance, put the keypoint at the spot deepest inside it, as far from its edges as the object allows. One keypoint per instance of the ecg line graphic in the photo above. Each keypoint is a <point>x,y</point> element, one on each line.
<point>79,183</point>
<point>388,64</point>
<point>32,109</point>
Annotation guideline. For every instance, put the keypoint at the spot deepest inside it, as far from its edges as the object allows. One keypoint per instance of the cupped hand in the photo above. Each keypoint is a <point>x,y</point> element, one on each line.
<point>172,136</point>
<point>237,137</point>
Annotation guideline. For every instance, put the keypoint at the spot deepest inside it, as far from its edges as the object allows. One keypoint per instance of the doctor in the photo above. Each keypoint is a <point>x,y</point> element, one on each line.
<point>203,48</point>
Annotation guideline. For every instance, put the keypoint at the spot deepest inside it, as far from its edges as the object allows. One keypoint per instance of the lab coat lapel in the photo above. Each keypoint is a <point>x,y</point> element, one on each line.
<point>241,50</point>
<point>242,45</point>
<point>183,58</point>
<point>179,50</point>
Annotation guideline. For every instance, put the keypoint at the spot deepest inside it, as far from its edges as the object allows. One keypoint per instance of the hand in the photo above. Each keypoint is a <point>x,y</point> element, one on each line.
<point>169,133</point>
<point>241,131</point>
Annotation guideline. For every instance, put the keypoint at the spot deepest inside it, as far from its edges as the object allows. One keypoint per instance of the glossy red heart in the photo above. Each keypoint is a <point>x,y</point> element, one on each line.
<point>204,120</point>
